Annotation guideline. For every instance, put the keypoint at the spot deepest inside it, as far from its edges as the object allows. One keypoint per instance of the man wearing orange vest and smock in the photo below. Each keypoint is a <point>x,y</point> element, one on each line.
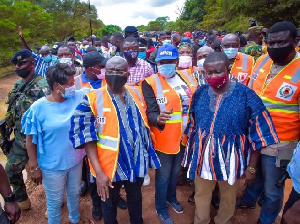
<point>111,125</point>
<point>276,79</point>
<point>93,76</point>
<point>240,64</point>
<point>167,95</point>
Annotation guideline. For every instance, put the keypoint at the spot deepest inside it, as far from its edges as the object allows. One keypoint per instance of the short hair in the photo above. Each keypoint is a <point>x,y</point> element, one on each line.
<point>130,39</point>
<point>59,73</point>
<point>149,42</point>
<point>91,48</point>
<point>284,26</point>
<point>105,39</point>
<point>163,33</point>
<point>217,57</point>
<point>97,39</point>
<point>243,41</point>
<point>118,35</point>
<point>65,46</point>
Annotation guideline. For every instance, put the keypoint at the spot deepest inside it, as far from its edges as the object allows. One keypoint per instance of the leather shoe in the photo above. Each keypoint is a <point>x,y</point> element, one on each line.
<point>97,213</point>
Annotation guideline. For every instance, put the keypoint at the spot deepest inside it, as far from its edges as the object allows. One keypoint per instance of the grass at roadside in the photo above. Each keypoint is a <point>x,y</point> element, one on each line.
<point>6,71</point>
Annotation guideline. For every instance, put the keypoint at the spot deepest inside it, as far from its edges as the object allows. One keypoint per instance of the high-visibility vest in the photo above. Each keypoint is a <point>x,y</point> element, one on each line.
<point>79,84</point>
<point>280,96</point>
<point>168,140</point>
<point>242,67</point>
<point>108,128</point>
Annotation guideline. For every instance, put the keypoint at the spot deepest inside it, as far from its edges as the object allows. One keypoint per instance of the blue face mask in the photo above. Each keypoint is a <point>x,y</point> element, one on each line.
<point>70,92</point>
<point>142,55</point>
<point>201,42</point>
<point>167,70</point>
<point>48,58</point>
<point>230,52</point>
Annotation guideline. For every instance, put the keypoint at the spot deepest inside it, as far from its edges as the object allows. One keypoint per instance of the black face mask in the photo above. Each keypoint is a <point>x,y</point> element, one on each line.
<point>115,82</point>
<point>23,73</point>
<point>280,54</point>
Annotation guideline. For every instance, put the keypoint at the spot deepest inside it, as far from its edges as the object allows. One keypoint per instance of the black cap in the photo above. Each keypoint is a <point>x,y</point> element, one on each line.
<point>93,58</point>
<point>21,55</point>
<point>130,29</point>
<point>70,38</point>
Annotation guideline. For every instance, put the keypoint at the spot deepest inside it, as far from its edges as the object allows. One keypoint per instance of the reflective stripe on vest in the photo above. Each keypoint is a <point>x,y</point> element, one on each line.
<point>296,76</point>
<point>107,142</point>
<point>276,106</point>
<point>263,62</point>
<point>137,93</point>
<point>188,77</point>
<point>160,92</point>
<point>244,62</point>
<point>77,82</point>
<point>175,118</point>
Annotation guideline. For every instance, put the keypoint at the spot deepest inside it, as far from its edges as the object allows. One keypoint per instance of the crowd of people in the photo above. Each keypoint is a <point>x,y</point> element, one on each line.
<point>209,108</point>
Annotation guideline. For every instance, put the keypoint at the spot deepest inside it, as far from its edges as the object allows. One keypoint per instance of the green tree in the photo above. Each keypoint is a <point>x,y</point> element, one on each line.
<point>155,26</point>
<point>108,30</point>
<point>193,12</point>
<point>142,28</point>
<point>163,21</point>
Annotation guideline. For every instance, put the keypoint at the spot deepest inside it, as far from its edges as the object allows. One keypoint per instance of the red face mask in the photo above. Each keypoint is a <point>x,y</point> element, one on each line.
<point>217,82</point>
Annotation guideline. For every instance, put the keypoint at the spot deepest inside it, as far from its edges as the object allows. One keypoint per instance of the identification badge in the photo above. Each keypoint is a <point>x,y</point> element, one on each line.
<point>242,76</point>
<point>286,91</point>
<point>162,100</point>
<point>101,120</point>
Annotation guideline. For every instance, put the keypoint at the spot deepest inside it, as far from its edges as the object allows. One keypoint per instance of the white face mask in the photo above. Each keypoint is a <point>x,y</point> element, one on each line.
<point>200,63</point>
<point>66,61</point>
<point>102,74</point>
<point>185,61</point>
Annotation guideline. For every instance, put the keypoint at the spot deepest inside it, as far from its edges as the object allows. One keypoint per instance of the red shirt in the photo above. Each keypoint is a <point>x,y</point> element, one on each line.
<point>151,49</point>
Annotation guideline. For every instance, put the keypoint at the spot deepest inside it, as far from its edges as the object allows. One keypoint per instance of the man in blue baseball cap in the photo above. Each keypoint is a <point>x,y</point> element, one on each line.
<point>167,95</point>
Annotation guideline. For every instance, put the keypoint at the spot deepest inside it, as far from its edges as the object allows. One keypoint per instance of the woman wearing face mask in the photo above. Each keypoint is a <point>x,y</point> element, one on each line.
<point>53,159</point>
<point>167,95</point>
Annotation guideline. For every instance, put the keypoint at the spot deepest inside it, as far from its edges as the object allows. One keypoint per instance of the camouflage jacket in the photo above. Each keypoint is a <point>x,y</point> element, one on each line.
<point>20,99</point>
<point>253,49</point>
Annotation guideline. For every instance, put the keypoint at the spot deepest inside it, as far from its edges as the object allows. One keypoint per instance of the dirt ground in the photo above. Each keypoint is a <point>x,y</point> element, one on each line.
<point>37,195</point>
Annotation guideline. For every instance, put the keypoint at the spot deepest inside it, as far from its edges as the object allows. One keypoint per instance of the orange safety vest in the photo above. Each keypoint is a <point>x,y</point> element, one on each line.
<point>79,84</point>
<point>108,128</point>
<point>280,96</point>
<point>168,140</point>
<point>242,67</point>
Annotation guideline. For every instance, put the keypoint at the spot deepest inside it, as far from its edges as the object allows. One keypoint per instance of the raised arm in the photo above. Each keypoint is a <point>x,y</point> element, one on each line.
<point>25,45</point>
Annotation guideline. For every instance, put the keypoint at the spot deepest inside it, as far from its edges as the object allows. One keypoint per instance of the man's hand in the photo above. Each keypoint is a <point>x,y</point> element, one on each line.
<point>103,182</point>
<point>37,176</point>
<point>13,211</point>
<point>20,32</point>
<point>164,116</point>
<point>249,177</point>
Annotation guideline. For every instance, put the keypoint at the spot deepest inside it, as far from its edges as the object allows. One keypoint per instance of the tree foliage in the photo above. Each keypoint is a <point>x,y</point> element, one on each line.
<point>108,30</point>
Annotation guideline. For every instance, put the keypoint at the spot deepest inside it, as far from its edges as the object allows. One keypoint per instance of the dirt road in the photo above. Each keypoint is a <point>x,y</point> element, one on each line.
<point>37,196</point>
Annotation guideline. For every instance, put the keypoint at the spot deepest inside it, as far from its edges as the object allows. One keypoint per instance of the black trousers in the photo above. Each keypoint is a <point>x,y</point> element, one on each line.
<point>294,197</point>
<point>134,202</point>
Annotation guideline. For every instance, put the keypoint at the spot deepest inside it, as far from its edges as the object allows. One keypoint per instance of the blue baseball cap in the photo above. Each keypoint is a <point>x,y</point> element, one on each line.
<point>166,51</point>
<point>186,39</point>
<point>21,55</point>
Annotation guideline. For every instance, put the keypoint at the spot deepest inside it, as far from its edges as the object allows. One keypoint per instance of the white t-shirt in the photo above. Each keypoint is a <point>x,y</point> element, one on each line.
<point>184,92</point>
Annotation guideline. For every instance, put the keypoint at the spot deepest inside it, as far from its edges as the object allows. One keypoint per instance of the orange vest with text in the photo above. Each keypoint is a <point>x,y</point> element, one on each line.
<point>280,96</point>
<point>79,84</point>
<point>242,67</point>
<point>168,140</point>
<point>108,128</point>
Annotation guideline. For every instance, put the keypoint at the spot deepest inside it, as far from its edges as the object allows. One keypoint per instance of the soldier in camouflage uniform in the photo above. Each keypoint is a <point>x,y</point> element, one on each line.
<point>254,46</point>
<point>28,89</point>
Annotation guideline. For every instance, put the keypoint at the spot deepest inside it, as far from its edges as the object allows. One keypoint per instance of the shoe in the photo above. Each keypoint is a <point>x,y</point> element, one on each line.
<point>24,205</point>
<point>146,180</point>
<point>243,204</point>
<point>176,206</point>
<point>191,199</point>
<point>165,218</point>
<point>122,204</point>
<point>97,213</point>
<point>83,188</point>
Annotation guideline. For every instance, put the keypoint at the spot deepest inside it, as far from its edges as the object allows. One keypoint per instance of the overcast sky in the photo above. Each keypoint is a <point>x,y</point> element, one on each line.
<point>135,12</point>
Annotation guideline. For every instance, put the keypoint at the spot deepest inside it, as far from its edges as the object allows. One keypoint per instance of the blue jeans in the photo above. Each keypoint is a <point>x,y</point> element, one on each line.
<point>265,181</point>
<point>56,182</point>
<point>166,179</point>
<point>3,217</point>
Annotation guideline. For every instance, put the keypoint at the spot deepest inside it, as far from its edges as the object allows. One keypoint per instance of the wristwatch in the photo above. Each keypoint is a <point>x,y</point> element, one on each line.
<point>251,169</point>
<point>10,198</point>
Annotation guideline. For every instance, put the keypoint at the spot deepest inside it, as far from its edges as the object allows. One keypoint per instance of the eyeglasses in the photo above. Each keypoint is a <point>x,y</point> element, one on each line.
<point>118,72</point>
<point>20,63</point>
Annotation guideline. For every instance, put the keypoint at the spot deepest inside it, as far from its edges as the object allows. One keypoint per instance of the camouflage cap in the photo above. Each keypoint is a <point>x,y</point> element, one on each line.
<point>255,30</point>
<point>21,55</point>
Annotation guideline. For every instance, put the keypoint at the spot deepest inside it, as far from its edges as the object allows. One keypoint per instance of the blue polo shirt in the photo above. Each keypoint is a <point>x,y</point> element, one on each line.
<point>95,84</point>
